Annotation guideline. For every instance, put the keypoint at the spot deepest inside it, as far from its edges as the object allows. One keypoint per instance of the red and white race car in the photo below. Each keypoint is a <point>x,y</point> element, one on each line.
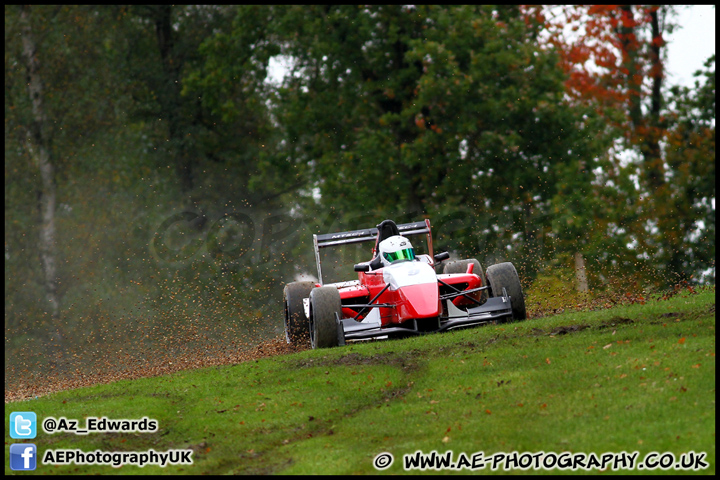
<point>398,293</point>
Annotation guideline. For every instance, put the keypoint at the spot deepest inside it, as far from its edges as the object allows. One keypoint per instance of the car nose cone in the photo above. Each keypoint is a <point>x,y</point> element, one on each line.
<point>419,301</point>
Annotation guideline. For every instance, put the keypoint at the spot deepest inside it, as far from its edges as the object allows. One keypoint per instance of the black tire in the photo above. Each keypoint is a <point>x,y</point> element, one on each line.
<point>460,266</point>
<point>324,304</point>
<point>504,275</point>
<point>297,324</point>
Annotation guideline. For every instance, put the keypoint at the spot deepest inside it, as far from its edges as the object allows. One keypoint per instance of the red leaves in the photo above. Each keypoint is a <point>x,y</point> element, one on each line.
<point>601,9</point>
<point>627,18</point>
<point>612,37</point>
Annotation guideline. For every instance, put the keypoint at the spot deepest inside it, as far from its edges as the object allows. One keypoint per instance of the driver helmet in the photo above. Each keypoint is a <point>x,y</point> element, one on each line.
<point>396,249</point>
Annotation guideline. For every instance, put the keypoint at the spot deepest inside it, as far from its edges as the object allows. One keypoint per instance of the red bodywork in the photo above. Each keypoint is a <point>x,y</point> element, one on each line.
<point>411,302</point>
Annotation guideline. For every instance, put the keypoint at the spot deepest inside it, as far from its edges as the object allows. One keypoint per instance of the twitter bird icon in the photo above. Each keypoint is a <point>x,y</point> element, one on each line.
<point>23,425</point>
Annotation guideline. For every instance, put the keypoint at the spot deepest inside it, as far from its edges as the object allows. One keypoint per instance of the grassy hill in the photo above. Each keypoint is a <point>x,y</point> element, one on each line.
<point>635,378</point>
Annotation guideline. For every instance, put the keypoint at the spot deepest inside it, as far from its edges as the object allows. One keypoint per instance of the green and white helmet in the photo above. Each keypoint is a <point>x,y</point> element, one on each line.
<point>396,249</point>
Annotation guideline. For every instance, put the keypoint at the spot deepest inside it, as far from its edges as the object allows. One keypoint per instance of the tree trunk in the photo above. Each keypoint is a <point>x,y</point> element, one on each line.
<point>38,147</point>
<point>645,126</point>
<point>580,274</point>
<point>630,52</point>
<point>651,146</point>
<point>171,100</point>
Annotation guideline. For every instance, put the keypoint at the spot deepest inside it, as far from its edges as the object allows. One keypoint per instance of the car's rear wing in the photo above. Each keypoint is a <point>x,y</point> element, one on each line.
<point>324,240</point>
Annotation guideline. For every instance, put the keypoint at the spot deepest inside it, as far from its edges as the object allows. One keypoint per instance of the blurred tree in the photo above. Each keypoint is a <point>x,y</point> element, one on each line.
<point>161,47</point>
<point>196,74</point>
<point>686,203</point>
<point>448,111</point>
<point>615,62</point>
<point>38,145</point>
<point>57,78</point>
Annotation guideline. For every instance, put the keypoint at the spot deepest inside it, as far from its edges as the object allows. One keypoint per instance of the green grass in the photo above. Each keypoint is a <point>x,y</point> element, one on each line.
<point>632,378</point>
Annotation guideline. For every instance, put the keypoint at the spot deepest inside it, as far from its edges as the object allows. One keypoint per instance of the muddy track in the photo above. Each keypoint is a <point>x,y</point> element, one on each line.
<point>34,387</point>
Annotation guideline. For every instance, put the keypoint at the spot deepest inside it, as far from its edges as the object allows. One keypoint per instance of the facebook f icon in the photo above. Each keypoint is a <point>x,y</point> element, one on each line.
<point>23,425</point>
<point>23,456</point>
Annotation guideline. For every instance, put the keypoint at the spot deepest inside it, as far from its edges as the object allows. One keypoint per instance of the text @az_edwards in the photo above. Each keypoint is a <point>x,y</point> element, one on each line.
<point>99,425</point>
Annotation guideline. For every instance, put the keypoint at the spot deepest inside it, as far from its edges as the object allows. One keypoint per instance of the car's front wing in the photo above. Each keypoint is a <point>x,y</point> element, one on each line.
<point>493,309</point>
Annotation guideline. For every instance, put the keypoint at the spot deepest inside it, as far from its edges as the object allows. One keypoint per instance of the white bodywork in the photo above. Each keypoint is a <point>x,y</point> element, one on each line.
<point>404,274</point>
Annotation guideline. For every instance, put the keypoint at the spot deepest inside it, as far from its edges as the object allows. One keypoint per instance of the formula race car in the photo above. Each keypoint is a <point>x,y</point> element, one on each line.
<point>398,293</point>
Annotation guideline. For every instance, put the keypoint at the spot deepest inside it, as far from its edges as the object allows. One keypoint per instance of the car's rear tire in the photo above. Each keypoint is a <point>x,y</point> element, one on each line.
<point>461,266</point>
<point>504,275</point>
<point>324,305</point>
<point>297,324</point>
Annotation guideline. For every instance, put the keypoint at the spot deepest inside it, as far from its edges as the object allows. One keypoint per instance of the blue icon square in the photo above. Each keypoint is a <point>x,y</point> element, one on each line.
<point>23,456</point>
<point>23,425</point>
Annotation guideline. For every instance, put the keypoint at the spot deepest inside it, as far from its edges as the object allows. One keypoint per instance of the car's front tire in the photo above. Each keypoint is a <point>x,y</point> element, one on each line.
<point>325,306</point>
<point>297,324</point>
<point>504,275</point>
